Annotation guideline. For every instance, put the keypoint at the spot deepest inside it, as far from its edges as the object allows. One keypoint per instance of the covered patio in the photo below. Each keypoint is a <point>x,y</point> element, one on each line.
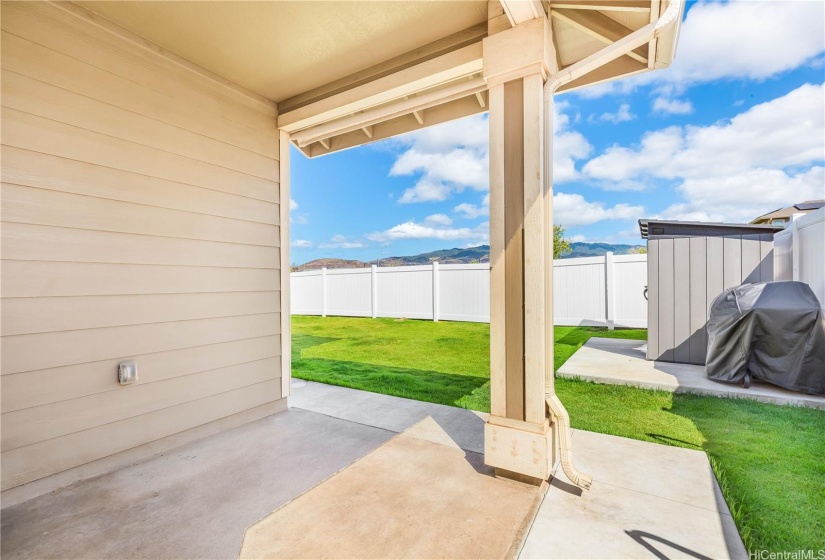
<point>146,374</point>
<point>201,500</point>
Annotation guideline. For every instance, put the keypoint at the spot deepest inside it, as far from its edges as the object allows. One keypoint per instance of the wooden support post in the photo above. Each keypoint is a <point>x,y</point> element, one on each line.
<point>518,440</point>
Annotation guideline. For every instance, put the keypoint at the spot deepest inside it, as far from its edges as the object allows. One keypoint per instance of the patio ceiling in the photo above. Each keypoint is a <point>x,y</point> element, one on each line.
<point>344,73</point>
<point>281,49</point>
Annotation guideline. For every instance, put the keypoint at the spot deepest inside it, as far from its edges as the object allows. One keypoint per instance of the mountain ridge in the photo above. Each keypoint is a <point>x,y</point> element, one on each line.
<point>460,255</point>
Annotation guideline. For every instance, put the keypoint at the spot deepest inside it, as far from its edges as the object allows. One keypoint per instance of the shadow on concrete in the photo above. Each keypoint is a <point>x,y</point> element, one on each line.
<point>571,489</point>
<point>476,460</point>
<point>643,537</point>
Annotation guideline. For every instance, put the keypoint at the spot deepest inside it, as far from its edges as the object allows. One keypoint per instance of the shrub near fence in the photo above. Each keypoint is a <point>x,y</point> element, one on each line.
<point>591,291</point>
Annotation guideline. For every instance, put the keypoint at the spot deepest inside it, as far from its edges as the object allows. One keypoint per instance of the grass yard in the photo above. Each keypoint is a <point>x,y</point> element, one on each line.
<point>769,460</point>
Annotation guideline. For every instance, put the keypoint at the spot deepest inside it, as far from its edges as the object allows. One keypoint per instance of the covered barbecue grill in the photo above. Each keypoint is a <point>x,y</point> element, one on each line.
<point>769,331</point>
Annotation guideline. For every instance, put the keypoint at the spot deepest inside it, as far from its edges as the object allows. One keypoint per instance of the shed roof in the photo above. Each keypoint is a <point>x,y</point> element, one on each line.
<point>807,206</point>
<point>676,228</point>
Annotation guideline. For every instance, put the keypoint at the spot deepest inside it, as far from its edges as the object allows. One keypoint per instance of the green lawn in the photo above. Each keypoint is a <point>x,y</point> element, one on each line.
<point>770,460</point>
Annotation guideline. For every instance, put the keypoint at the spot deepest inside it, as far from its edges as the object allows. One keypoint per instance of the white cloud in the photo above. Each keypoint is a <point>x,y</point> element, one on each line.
<point>626,185</point>
<point>299,219</point>
<point>740,39</point>
<point>741,198</point>
<point>746,39</point>
<point>623,114</point>
<point>413,230</point>
<point>570,210</point>
<point>454,156</point>
<point>471,211</point>
<point>732,170</point>
<point>568,146</point>
<point>341,242</point>
<point>301,244</point>
<point>449,157</point>
<point>672,106</point>
<point>438,220</point>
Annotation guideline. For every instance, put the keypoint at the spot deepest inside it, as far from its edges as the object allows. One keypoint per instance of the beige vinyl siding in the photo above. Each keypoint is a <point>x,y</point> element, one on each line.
<point>140,220</point>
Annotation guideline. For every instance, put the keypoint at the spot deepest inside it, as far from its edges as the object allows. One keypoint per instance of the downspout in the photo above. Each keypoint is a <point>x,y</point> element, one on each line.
<point>621,47</point>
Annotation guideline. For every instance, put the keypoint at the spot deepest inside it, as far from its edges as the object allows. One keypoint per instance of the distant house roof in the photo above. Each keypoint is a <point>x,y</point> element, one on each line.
<point>675,228</point>
<point>787,213</point>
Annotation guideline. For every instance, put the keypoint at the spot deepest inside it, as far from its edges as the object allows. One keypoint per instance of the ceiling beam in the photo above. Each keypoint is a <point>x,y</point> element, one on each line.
<point>622,67</point>
<point>406,123</point>
<point>655,6</point>
<point>367,130</point>
<point>416,56</point>
<point>519,11</point>
<point>600,27</point>
<point>454,65</point>
<point>400,108</point>
<point>642,6</point>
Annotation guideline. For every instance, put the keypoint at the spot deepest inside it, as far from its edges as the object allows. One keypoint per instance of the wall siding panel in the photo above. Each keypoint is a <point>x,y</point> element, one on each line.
<point>698,300</point>
<point>140,221</point>
<point>681,302</point>
<point>667,297</point>
<point>34,169</point>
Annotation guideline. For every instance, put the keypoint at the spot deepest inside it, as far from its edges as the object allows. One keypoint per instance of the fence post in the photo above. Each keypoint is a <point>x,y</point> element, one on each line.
<point>324,292</point>
<point>435,291</point>
<point>609,280</point>
<point>374,284</point>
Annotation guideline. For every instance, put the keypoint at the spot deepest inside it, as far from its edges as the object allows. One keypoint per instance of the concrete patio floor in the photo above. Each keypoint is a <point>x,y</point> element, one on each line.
<point>647,500</point>
<point>620,362</point>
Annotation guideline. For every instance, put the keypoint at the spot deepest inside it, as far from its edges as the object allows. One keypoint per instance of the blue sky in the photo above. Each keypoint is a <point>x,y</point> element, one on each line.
<point>733,129</point>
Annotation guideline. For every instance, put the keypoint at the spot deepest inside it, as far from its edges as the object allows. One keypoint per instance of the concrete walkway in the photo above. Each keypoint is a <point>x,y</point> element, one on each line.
<point>416,496</point>
<point>193,502</point>
<point>620,362</point>
<point>647,500</point>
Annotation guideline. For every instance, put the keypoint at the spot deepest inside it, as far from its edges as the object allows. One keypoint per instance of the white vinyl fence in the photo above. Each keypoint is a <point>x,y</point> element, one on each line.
<point>799,252</point>
<point>591,291</point>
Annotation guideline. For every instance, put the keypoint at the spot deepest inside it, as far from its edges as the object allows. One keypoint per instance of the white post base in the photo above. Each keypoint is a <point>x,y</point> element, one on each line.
<point>520,447</point>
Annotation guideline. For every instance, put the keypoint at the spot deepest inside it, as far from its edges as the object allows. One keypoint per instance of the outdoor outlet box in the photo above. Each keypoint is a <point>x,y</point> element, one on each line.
<point>127,373</point>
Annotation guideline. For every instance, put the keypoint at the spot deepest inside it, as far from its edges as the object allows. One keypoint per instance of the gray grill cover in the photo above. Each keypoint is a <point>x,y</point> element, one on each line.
<point>773,331</point>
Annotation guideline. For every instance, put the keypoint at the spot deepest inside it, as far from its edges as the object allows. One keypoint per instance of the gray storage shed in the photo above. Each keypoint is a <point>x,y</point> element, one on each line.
<point>688,265</point>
